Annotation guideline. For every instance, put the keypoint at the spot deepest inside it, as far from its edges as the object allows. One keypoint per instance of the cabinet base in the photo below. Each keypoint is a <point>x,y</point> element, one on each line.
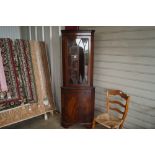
<point>86,125</point>
<point>64,125</point>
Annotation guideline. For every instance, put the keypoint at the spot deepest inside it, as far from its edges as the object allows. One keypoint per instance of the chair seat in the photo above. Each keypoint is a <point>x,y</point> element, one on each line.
<point>108,120</point>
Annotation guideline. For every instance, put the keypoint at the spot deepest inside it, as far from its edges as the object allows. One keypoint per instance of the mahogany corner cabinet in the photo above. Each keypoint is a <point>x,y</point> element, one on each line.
<point>77,92</point>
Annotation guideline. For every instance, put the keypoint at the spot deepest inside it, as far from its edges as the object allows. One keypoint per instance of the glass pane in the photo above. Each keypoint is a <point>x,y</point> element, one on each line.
<point>78,61</point>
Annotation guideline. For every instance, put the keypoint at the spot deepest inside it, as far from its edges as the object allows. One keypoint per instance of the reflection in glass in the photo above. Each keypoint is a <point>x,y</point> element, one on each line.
<point>78,60</point>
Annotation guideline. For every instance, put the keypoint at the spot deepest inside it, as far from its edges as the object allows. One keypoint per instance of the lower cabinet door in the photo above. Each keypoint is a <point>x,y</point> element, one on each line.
<point>69,108</point>
<point>86,106</point>
<point>77,106</point>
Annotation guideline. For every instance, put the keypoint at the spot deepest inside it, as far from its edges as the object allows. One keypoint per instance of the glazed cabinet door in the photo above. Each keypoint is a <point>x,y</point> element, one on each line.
<point>76,60</point>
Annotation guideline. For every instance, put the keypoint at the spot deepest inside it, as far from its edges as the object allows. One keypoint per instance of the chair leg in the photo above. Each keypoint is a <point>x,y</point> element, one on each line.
<point>121,126</point>
<point>94,124</point>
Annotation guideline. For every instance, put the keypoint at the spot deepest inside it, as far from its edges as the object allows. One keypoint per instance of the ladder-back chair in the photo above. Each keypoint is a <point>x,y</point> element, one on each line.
<point>116,110</point>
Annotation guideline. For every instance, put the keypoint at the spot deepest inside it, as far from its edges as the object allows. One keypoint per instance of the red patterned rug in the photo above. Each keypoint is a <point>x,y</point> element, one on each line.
<point>27,81</point>
<point>18,69</point>
<point>9,60</point>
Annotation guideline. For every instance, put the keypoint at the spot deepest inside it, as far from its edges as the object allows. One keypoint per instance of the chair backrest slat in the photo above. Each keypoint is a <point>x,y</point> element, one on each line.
<point>115,109</point>
<point>118,92</point>
<point>117,102</point>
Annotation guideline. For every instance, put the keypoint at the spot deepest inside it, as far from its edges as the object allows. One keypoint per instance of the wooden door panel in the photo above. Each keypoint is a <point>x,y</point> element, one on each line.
<point>69,107</point>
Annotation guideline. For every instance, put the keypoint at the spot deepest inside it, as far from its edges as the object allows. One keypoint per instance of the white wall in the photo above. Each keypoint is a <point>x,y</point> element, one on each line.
<point>12,32</point>
<point>125,60</point>
<point>49,34</point>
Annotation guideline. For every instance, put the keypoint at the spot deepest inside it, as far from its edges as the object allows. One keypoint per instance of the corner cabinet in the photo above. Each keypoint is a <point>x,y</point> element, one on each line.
<point>77,92</point>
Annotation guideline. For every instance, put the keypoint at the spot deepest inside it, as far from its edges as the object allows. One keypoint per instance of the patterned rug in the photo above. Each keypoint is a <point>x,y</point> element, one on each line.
<point>3,84</point>
<point>41,71</point>
<point>27,81</point>
<point>10,65</point>
<point>18,69</point>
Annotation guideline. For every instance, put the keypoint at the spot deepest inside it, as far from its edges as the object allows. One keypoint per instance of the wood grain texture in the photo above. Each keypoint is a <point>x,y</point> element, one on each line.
<point>77,99</point>
<point>77,106</point>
